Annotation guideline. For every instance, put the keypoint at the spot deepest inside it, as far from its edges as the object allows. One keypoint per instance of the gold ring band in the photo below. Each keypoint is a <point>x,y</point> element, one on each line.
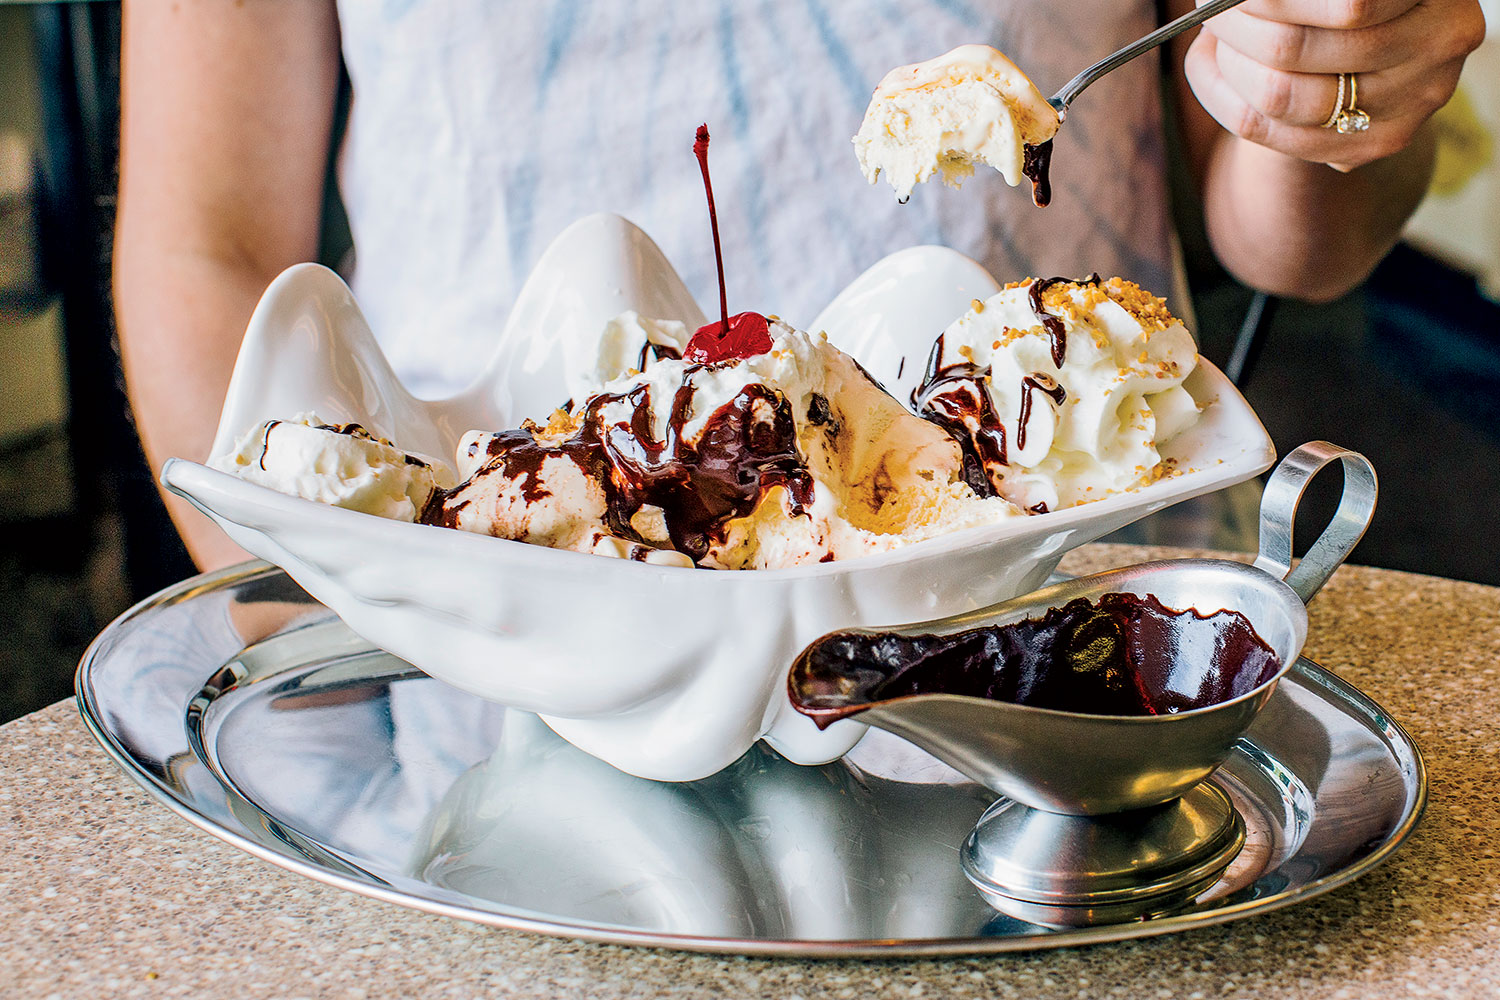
<point>1338,104</point>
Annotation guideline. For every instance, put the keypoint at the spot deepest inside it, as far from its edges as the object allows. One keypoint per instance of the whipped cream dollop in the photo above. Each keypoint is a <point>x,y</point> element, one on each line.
<point>1062,392</point>
<point>971,105</point>
<point>789,456</point>
<point>339,464</point>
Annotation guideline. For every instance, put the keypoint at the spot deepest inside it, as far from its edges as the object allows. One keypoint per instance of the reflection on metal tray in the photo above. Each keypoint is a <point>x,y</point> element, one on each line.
<point>250,710</point>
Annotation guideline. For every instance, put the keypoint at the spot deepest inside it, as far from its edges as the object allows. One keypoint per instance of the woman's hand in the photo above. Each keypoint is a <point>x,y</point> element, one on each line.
<point>1268,71</point>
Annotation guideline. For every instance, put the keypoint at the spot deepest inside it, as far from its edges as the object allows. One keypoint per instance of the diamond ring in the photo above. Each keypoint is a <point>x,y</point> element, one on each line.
<point>1347,118</point>
<point>1351,119</point>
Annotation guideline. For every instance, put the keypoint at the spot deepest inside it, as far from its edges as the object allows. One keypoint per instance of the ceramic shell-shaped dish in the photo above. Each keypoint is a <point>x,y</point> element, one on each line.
<point>664,672</point>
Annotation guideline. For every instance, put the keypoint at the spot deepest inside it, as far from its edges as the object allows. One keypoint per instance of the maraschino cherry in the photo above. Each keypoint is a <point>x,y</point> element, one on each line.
<point>742,335</point>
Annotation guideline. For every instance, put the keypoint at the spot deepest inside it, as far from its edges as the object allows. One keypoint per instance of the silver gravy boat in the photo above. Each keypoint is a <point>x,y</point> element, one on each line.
<point>1108,817</point>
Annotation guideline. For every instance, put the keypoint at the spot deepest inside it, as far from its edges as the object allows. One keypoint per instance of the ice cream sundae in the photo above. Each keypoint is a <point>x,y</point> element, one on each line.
<point>782,454</point>
<point>753,445</point>
<point>971,105</point>
<point>768,447</point>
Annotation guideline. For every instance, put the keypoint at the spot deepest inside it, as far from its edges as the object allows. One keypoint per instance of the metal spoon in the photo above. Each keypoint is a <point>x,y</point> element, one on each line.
<point>1080,83</point>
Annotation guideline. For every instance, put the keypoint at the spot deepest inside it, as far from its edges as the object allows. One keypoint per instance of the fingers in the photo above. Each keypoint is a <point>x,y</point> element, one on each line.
<point>1300,98</point>
<point>1304,49</point>
<point>1276,82</point>
<point>1294,98</point>
<point>1341,14</point>
<point>1429,32</point>
<point>1303,137</point>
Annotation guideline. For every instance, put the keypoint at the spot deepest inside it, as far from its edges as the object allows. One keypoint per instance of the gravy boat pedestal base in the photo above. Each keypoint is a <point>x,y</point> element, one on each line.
<point>1058,870</point>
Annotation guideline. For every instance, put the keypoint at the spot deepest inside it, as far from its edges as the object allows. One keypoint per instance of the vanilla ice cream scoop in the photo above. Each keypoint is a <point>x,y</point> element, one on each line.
<point>971,105</point>
<point>339,464</point>
<point>1061,392</point>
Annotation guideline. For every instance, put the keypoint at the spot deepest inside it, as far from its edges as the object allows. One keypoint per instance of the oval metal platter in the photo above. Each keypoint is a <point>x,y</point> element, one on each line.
<point>249,709</point>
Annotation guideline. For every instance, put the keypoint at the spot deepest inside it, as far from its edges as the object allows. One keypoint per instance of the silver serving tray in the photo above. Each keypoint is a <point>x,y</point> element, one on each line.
<point>250,710</point>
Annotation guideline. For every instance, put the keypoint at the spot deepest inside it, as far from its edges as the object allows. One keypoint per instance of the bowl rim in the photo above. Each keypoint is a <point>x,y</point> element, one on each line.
<point>193,480</point>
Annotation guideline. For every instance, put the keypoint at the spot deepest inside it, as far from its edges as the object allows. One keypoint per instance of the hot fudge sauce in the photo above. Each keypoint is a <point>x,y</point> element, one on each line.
<point>1124,655</point>
<point>1037,166</point>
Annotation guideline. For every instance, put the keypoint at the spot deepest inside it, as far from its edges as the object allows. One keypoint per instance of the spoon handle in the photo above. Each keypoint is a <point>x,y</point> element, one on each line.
<point>1079,83</point>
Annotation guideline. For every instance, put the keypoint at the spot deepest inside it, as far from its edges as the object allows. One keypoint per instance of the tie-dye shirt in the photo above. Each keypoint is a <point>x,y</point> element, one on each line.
<point>480,129</point>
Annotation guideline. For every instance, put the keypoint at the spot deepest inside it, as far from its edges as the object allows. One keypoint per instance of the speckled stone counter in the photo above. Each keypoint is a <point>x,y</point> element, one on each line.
<point>104,893</point>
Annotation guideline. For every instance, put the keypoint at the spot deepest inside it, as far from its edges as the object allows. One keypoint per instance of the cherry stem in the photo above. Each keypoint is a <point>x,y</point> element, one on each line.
<point>700,150</point>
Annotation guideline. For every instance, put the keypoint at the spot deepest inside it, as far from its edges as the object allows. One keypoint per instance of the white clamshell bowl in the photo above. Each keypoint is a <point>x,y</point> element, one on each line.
<point>665,672</point>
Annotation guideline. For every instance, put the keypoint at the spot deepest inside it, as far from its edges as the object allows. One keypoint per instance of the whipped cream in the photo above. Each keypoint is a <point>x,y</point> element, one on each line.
<point>1093,423</point>
<point>629,344</point>
<point>971,105</point>
<point>339,464</point>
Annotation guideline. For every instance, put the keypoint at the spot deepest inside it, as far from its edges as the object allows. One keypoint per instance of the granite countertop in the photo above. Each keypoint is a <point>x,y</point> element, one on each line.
<point>103,892</point>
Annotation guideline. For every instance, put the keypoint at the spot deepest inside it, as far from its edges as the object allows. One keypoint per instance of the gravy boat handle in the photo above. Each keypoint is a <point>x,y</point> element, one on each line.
<point>1278,512</point>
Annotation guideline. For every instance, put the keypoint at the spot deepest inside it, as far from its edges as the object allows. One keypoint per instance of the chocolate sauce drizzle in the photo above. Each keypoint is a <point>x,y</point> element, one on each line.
<point>650,350</point>
<point>1124,655</point>
<point>956,399</point>
<point>352,430</point>
<point>265,441</point>
<point>1036,164</point>
<point>747,447</point>
<point>1036,382</point>
<point>1054,324</point>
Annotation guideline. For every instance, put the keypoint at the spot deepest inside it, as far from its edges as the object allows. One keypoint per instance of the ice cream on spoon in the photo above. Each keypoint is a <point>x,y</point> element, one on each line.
<point>973,105</point>
<point>968,106</point>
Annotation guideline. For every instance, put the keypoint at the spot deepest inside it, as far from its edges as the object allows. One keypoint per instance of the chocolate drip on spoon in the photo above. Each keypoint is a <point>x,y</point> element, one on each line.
<point>1037,166</point>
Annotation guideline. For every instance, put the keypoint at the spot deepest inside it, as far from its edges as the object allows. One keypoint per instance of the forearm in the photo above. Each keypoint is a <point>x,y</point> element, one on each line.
<point>1305,230</point>
<point>181,315</point>
<point>226,112</point>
